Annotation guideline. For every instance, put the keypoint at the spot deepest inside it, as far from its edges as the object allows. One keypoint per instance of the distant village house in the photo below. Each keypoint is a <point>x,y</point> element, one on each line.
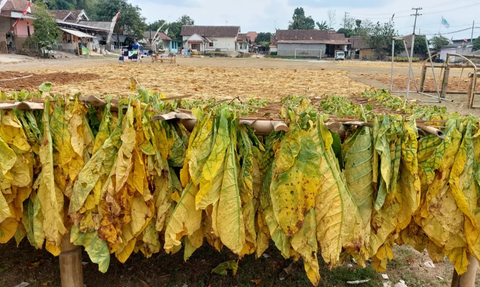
<point>309,43</point>
<point>211,38</point>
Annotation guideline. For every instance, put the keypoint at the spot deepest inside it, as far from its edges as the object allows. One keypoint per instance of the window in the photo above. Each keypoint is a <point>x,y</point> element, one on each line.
<point>28,31</point>
<point>210,44</point>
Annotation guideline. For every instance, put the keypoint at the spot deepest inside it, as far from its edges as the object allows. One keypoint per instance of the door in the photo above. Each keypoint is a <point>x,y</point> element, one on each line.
<point>196,47</point>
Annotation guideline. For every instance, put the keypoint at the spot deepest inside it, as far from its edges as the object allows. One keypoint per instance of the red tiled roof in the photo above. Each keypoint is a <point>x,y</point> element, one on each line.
<point>15,6</point>
<point>242,37</point>
<point>60,14</point>
<point>211,31</point>
<point>149,35</point>
<point>252,35</point>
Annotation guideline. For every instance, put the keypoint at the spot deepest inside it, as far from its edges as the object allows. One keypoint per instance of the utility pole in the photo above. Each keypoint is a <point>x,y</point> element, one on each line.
<point>345,20</point>
<point>416,15</point>
<point>473,28</point>
<point>410,57</point>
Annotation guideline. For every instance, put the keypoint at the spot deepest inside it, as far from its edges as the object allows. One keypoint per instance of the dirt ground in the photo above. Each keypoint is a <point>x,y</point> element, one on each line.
<point>39,268</point>
<point>270,79</point>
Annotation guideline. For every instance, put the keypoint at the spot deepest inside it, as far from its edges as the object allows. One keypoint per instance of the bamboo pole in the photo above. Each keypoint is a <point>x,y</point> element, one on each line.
<point>422,78</point>
<point>446,74</point>
<point>71,272</point>
<point>468,278</point>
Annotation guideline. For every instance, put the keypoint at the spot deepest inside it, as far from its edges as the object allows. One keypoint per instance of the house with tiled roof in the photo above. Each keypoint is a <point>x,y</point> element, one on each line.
<point>309,43</point>
<point>13,36</point>
<point>73,16</point>
<point>210,38</point>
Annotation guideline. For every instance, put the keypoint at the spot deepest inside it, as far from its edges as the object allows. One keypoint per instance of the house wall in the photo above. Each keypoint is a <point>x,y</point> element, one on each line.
<point>444,52</point>
<point>22,30</point>
<point>302,50</point>
<point>5,24</point>
<point>224,44</point>
<point>243,47</point>
<point>368,53</point>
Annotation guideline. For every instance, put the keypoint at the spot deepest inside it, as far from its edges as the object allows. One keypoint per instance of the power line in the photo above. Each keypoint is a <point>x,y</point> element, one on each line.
<point>453,9</point>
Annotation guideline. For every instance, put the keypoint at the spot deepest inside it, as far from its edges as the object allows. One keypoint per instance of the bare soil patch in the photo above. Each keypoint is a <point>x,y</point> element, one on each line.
<point>20,81</point>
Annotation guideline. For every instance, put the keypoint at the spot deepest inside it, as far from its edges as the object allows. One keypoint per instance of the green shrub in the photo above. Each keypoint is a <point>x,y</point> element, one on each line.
<point>404,59</point>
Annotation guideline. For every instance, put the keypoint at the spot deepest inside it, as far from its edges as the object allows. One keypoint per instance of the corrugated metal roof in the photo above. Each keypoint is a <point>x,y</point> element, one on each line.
<point>103,25</point>
<point>76,33</point>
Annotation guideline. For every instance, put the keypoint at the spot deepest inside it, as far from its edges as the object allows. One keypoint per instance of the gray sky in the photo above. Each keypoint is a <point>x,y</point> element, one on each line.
<point>266,15</point>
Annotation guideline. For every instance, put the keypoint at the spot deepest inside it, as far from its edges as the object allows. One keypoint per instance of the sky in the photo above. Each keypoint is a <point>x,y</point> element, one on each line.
<point>268,15</point>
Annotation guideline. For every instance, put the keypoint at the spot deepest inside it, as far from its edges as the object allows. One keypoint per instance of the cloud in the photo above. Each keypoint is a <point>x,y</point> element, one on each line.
<point>345,3</point>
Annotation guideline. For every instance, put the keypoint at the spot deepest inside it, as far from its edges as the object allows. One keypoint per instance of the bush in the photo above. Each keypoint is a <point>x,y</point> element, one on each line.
<point>273,53</point>
<point>403,59</point>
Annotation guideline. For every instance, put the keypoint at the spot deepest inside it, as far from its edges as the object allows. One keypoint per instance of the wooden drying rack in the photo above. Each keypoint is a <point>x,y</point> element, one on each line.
<point>71,259</point>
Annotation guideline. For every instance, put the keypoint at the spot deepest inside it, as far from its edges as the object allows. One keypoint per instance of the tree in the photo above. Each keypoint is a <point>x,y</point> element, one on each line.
<point>46,35</point>
<point>186,20</point>
<point>263,37</point>
<point>87,5</point>
<point>346,32</point>
<point>130,20</point>
<point>420,46</point>
<point>476,44</point>
<point>157,24</point>
<point>332,15</point>
<point>379,37</point>
<point>322,25</point>
<point>175,30</point>
<point>300,21</point>
<point>439,41</point>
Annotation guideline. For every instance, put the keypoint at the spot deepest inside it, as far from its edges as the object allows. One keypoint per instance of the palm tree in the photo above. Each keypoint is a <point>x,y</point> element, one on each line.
<point>322,25</point>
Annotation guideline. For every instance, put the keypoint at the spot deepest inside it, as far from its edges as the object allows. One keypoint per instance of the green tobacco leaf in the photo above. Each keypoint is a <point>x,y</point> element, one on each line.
<point>45,87</point>
<point>358,174</point>
<point>96,248</point>
<point>222,268</point>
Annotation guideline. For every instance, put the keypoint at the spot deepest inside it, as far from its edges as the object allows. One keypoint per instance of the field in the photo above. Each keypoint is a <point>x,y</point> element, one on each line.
<point>221,79</point>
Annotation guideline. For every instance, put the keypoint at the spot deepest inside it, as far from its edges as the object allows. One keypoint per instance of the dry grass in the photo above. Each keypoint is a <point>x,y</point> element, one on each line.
<point>218,82</point>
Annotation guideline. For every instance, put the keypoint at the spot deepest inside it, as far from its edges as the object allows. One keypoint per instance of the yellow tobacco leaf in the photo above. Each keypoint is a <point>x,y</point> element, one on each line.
<point>305,243</point>
<point>7,229</point>
<point>230,222</point>
<point>338,218</point>
<point>150,240</point>
<point>8,157</point>
<point>185,219</point>
<point>125,153</point>
<point>213,166</point>
<point>250,234</point>
<point>199,151</point>
<point>295,185</point>
<point>192,243</point>
<point>50,196</point>
<point>4,209</point>
<point>12,132</point>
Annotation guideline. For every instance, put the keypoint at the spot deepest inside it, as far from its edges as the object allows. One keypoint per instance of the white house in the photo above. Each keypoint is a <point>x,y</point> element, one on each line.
<point>210,38</point>
<point>243,43</point>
